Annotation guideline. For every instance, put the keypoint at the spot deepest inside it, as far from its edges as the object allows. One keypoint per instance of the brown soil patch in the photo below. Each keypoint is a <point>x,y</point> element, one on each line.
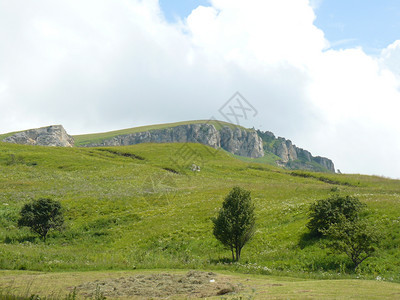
<point>194,284</point>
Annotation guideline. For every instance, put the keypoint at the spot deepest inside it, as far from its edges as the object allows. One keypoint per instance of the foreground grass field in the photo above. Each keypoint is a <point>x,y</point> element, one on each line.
<point>241,286</point>
<point>141,207</point>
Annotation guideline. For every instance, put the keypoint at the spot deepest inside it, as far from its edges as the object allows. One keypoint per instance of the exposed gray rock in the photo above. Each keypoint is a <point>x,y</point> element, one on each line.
<point>306,155</point>
<point>293,157</point>
<point>54,135</point>
<point>233,139</point>
<point>241,142</point>
<point>237,140</point>
<point>327,163</point>
<point>192,133</point>
<point>195,168</point>
<point>285,150</point>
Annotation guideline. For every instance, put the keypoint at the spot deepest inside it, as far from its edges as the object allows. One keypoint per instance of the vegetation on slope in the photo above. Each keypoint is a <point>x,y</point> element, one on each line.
<point>122,212</point>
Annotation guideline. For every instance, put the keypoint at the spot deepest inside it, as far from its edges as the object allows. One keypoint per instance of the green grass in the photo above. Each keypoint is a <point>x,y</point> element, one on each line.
<point>268,158</point>
<point>84,139</point>
<point>57,285</point>
<point>123,212</point>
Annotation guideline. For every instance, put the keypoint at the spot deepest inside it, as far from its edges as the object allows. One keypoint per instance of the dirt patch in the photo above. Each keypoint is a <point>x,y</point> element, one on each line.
<point>124,154</point>
<point>194,284</point>
<point>171,170</point>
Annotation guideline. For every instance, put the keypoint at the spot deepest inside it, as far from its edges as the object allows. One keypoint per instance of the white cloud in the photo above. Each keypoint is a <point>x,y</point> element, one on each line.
<point>359,102</point>
<point>103,65</point>
<point>390,57</point>
<point>351,100</point>
<point>258,32</point>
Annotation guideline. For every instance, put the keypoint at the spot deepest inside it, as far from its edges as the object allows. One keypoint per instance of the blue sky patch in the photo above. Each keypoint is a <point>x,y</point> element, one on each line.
<point>371,24</point>
<point>174,9</point>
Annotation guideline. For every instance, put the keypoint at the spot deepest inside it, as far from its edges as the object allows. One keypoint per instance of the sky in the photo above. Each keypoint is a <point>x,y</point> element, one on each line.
<point>370,24</point>
<point>323,73</point>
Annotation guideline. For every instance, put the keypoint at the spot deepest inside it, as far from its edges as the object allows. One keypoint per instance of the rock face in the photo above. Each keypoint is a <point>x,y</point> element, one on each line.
<point>46,136</point>
<point>285,150</point>
<point>241,142</point>
<point>293,157</point>
<point>237,141</point>
<point>234,139</point>
<point>323,161</point>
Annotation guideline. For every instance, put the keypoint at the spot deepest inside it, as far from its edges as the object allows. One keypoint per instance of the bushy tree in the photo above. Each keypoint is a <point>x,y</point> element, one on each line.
<point>326,212</point>
<point>41,216</point>
<point>357,239</point>
<point>234,226</point>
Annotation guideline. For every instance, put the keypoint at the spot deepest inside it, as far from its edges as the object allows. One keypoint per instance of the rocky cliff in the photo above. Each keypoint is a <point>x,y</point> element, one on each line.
<point>293,157</point>
<point>241,142</point>
<point>46,136</point>
<point>235,140</point>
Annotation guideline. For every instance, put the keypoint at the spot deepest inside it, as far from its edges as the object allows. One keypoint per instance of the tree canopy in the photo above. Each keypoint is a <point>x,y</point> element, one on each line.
<point>41,216</point>
<point>234,226</point>
<point>357,239</point>
<point>326,212</point>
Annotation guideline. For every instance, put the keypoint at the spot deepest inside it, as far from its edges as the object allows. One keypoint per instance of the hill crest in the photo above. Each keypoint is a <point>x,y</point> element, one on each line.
<point>235,139</point>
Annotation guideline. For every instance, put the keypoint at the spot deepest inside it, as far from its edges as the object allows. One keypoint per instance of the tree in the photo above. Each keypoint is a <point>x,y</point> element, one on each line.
<point>41,216</point>
<point>329,211</point>
<point>357,239</point>
<point>234,226</point>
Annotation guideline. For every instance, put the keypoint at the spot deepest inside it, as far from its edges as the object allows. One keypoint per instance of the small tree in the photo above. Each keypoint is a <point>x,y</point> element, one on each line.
<point>329,211</point>
<point>235,223</point>
<point>41,216</point>
<point>357,239</point>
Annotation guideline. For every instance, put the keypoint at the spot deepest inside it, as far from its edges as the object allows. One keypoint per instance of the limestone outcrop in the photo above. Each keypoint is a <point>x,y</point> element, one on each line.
<point>54,135</point>
<point>293,157</point>
<point>241,142</point>
<point>236,140</point>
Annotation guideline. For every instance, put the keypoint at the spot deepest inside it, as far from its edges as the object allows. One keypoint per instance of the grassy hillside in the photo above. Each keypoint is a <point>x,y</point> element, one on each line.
<point>84,139</point>
<point>142,207</point>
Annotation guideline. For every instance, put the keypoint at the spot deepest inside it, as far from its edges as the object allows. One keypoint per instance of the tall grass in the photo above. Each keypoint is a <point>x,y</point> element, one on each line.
<point>125,213</point>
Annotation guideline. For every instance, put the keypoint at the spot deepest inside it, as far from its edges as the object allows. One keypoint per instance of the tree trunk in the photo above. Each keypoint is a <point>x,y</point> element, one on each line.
<point>237,253</point>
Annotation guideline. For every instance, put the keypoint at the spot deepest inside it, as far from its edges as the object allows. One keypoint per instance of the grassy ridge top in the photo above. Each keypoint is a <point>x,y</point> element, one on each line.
<point>142,207</point>
<point>98,137</point>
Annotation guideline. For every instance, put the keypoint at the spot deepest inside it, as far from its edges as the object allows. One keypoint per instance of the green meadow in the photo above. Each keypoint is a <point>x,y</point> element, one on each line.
<point>141,207</point>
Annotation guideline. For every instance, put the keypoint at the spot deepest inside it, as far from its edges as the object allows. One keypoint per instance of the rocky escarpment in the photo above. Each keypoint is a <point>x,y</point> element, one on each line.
<point>235,140</point>
<point>241,142</point>
<point>293,157</point>
<point>54,135</point>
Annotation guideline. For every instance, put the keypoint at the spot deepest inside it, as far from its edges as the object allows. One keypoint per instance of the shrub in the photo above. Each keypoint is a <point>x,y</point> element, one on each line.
<point>357,239</point>
<point>235,223</point>
<point>41,216</point>
<point>326,212</point>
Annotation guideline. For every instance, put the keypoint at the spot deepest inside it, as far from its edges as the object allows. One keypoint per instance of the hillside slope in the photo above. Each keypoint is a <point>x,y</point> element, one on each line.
<point>216,134</point>
<point>142,207</point>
